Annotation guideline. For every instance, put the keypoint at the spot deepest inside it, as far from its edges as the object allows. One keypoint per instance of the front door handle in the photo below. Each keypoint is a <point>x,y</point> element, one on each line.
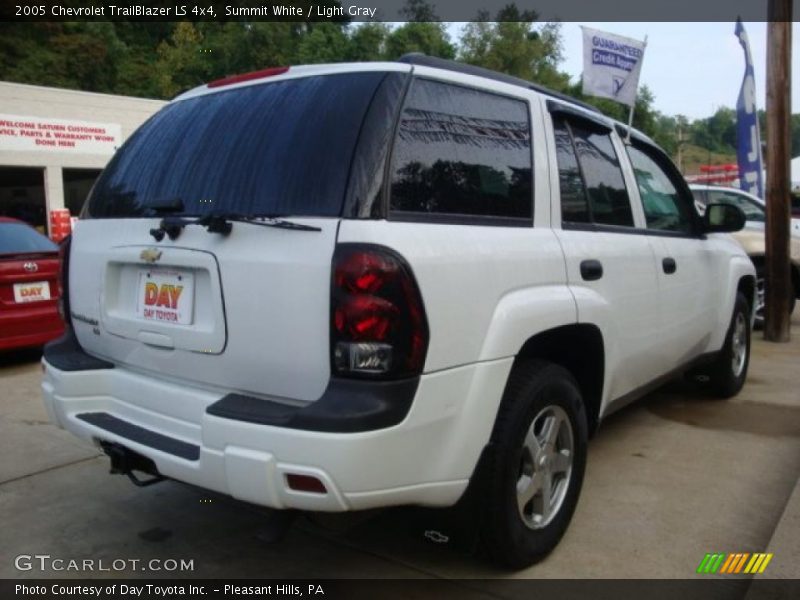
<point>669,265</point>
<point>591,269</point>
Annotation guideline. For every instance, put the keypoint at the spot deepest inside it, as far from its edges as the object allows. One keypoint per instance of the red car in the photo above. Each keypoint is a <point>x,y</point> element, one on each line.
<point>29,291</point>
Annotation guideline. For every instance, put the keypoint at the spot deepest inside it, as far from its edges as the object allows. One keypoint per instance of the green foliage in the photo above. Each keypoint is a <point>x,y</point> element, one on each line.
<point>161,59</point>
<point>429,38</point>
<point>515,44</point>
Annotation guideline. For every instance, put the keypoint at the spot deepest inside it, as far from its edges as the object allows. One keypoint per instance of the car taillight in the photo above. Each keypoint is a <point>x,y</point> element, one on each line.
<point>378,325</point>
<point>63,278</point>
<point>270,72</point>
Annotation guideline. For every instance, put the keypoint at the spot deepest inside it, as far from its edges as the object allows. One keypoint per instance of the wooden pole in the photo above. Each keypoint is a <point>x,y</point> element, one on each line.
<point>778,275</point>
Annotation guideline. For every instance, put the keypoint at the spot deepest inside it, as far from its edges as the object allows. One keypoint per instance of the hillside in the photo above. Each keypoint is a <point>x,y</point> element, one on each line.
<point>693,156</point>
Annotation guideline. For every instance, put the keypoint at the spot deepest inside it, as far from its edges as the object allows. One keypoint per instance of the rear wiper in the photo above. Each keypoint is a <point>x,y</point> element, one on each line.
<point>164,205</point>
<point>172,226</point>
<point>266,221</point>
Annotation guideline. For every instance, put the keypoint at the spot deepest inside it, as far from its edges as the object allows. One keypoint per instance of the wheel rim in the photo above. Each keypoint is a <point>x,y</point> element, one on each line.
<point>759,311</point>
<point>545,467</point>
<point>739,344</point>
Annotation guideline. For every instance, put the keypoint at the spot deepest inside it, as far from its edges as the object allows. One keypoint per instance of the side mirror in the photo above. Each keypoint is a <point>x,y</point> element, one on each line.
<point>724,218</point>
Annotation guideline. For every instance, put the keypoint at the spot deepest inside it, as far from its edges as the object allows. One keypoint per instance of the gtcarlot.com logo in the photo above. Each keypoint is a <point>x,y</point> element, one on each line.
<point>734,563</point>
<point>45,562</point>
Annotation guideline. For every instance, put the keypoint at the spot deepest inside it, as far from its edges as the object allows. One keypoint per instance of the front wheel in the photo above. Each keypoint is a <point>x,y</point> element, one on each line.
<point>536,465</point>
<point>725,377</point>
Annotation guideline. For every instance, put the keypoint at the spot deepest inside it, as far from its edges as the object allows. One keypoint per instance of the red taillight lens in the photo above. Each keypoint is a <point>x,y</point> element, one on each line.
<point>270,72</point>
<point>63,278</point>
<point>378,326</point>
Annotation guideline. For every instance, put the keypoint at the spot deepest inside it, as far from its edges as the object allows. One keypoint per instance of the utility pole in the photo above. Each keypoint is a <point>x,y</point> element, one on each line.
<point>778,276</point>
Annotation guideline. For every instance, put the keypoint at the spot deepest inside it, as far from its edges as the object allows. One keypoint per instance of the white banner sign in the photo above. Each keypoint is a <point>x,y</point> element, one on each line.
<point>611,65</point>
<point>23,134</point>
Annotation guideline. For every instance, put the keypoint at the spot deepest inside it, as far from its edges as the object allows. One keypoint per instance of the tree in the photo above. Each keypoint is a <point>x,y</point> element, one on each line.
<point>180,65</point>
<point>516,45</point>
<point>368,42</point>
<point>325,43</point>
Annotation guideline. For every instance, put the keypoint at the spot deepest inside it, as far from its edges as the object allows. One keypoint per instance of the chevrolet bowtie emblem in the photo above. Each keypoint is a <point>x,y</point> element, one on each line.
<point>150,255</point>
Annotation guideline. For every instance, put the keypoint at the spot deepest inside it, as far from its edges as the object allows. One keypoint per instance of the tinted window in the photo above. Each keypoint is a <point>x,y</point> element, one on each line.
<point>752,210</point>
<point>574,206</point>
<point>664,209</point>
<point>281,148</point>
<point>16,238</point>
<point>461,151</point>
<point>608,199</point>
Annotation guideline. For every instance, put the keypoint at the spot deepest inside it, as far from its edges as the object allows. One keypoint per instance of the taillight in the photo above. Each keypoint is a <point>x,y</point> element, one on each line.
<point>63,278</point>
<point>270,72</point>
<point>378,325</point>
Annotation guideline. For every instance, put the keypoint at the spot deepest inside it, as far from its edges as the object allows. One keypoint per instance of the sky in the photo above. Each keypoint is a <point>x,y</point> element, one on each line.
<point>691,68</point>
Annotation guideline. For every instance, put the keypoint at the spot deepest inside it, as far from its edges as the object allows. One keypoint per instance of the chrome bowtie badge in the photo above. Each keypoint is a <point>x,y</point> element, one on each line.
<point>150,255</point>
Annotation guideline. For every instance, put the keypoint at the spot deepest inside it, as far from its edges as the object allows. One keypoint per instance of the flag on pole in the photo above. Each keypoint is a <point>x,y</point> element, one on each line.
<point>611,65</point>
<point>748,137</point>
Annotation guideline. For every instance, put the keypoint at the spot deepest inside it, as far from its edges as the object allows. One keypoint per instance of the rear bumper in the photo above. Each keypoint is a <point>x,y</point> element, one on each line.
<point>426,459</point>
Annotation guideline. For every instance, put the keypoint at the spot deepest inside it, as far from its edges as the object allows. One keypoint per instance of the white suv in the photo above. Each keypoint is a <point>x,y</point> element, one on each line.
<point>341,287</point>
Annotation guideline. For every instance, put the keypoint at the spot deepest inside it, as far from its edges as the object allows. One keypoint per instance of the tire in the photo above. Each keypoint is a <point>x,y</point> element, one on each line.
<point>725,377</point>
<point>540,398</point>
<point>758,321</point>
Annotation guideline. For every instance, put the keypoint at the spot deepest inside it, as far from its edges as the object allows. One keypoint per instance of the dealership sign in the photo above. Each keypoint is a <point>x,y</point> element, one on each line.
<point>24,134</point>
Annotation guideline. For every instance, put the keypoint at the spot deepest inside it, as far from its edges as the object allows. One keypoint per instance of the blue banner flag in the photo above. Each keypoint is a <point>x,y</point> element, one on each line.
<point>748,138</point>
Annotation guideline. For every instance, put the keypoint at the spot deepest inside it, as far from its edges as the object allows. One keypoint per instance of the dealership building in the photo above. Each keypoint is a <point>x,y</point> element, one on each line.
<point>55,142</point>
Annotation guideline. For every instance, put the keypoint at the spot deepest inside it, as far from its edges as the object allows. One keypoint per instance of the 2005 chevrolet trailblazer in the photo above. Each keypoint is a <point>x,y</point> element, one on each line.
<point>340,287</point>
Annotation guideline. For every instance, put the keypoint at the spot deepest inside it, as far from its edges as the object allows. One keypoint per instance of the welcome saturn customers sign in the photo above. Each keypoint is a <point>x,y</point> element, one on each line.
<point>25,134</point>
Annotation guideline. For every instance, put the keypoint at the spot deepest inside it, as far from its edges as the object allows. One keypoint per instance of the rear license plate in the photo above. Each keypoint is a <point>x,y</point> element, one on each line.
<point>31,292</point>
<point>166,296</point>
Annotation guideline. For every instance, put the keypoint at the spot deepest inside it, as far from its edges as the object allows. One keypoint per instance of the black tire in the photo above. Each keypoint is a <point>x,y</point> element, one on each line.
<point>721,378</point>
<point>534,388</point>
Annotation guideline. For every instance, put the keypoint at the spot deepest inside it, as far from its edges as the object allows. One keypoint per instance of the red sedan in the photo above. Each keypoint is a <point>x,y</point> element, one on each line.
<point>29,265</point>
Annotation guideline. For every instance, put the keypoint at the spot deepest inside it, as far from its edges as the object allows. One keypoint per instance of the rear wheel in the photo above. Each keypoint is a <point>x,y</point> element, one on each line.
<point>726,375</point>
<point>536,466</point>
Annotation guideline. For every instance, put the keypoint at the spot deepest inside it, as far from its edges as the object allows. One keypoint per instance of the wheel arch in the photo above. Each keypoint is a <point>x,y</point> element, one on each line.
<point>558,345</point>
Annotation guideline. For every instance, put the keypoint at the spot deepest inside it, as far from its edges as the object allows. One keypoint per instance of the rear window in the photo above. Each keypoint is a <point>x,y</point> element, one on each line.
<point>17,238</point>
<point>281,148</point>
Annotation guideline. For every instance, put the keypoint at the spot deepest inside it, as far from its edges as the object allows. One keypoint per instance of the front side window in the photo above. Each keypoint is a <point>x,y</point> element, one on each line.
<point>664,208</point>
<point>752,210</point>
<point>592,187</point>
<point>462,152</point>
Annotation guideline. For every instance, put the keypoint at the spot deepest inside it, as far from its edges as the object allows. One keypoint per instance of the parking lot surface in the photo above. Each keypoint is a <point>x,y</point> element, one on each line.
<point>669,478</point>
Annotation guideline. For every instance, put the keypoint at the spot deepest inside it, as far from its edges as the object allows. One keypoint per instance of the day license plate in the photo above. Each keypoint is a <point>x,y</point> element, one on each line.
<point>166,296</point>
<point>31,292</point>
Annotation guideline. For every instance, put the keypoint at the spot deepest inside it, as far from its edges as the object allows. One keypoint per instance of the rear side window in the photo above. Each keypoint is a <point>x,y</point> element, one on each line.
<point>281,148</point>
<point>592,187</point>
<point>17,238</point>
<point>461,152</point>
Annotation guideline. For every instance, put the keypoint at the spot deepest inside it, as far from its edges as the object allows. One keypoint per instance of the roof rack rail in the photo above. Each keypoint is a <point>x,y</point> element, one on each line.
<point>418,58</point>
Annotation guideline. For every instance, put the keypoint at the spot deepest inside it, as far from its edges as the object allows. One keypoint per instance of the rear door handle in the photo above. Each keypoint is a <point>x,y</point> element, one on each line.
<point>669,265</point>
<point>591,270</point>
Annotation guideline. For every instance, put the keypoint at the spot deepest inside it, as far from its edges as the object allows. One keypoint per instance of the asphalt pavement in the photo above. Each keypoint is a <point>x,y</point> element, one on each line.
<point>669,479</point>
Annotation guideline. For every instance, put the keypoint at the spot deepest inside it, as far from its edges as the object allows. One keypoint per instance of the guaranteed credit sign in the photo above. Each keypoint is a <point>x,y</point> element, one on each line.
<point>611,65</point>
<point>24,134</point>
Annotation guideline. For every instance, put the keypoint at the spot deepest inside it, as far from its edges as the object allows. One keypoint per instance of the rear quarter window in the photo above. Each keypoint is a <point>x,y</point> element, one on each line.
<point>461,153</point>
